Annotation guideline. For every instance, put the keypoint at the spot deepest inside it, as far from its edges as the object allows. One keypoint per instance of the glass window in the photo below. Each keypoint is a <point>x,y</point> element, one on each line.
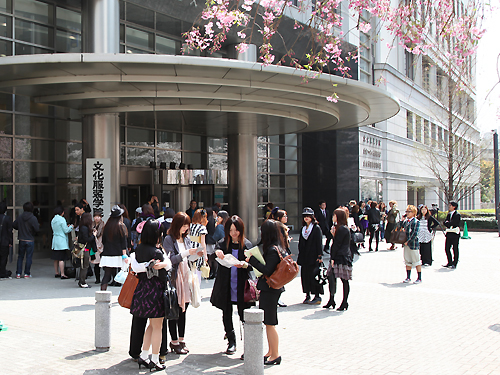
<point>363,77</point>
<point>5,171</point>
<point>192,142</point>
<point>166,46</point>
<point>5,48</point>
<point>34,172</point>
<point>67,41</point>
<point>69,173</point>
<point>6,5</point>
<point>292,195</point>
<point>169,140</point>
<point>291,139</point>
<point>274,139</point>
<point>123,152</point>
<point>68,130</point>
<point>5,26</point>
<point>263,195</point>
<point>68,19</point>
<point>277,195</point>
<point>44,194</point>
<point>143,119</point>
<point>170,121</point>
<point>291,153</point>
<point>34,33</point>
<point>274,166</point>
<point>140,15</point>
<point>218,145</point>
<point>34,149</point>
<point>23,49</point>
<point>5,102</point>
<point>5,148</point>
<point>277,181</point>
<point>169,156</point>
<point>139,156</point>
<point>217,161</point>
<point>139,38</point>
<point>194,159</point>
<point>365,65</point>
<point>262,165</point>
<point>34,126</point>
<point>122,135</point>
<point>292,182</point>
<point>140,137</point>
<point>168,24</point>
<point>68,152</point>
<point>263,180</point>
<point>5,123</point>
<point>34,10</point>
<point>66,193</point>
<point>6,193</point>
<point>262,150</point>
<point>274,151</point>
<point>137,51</point>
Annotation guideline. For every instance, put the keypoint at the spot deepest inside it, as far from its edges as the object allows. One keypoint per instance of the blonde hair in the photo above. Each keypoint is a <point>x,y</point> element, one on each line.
<point>393,202</point>
<point>412,208</point>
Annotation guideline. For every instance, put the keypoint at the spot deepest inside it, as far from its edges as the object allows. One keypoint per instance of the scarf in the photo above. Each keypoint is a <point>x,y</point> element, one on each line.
<point>182,285</point>
<point>306,230</point>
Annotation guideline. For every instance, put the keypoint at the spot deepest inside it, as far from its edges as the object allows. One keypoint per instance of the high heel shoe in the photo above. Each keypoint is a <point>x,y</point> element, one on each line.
<point>177,349</point>
<point>145,363</point>
<point>331,303</point>
<point>156,367</point>
<point>343,307</point>
<point>276,361</point>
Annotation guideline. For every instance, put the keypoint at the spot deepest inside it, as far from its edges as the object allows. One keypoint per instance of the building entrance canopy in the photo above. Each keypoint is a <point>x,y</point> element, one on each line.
<point>210,96</point>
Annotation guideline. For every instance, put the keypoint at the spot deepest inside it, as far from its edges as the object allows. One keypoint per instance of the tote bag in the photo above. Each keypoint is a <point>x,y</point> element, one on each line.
<point>285,272</point>
<point>128,289</point>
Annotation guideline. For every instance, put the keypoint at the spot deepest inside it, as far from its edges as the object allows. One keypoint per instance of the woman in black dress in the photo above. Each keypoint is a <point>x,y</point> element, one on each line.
<point>148,301</point>
<point>374,219</point>
<point>310,254</point>
<point>272,242</point>
<point>340,256</point>
<point>86,237</point>
<point>229,285</point>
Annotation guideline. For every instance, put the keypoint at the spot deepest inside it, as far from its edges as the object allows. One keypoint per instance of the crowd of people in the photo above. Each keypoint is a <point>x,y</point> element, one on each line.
<point>162,247</point>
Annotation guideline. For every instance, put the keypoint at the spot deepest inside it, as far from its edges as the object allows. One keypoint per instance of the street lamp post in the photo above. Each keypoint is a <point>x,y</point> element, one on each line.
<point>497,197</point>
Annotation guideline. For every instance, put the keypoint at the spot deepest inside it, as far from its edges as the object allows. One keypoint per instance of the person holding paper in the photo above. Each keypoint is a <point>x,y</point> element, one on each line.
<point>272,242</point>
<point>229,285</point>
<point>198,232</point>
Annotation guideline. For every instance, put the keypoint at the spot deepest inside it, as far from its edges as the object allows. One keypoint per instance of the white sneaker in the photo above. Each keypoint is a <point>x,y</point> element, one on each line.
<point>406,281</point>
<point>418,281</point>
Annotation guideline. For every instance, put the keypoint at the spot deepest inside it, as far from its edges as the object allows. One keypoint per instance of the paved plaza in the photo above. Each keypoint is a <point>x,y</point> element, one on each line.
<point>450,324</point>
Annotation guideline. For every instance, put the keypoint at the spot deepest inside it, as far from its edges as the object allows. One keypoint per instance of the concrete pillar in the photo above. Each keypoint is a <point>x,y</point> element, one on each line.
<point>102,320</point>
<point>184,197</point>
<point>101,139</point>
<point>242,171</point>
<point>101,26</point>
<point>254,342</point>
<point>249,55</point>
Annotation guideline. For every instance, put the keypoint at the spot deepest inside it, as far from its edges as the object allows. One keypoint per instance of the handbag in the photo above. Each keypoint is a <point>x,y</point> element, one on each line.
<point>78,248</point>
<point>358,237</point>
<point>128,289</point>
<point>171,303</point>
<point>121,276</point>
<point>398,235</point>
<point>321,275</point>
<point>285,272</point>
<point>205,270</point>
<point>250,292</point>
<point>194,286</point>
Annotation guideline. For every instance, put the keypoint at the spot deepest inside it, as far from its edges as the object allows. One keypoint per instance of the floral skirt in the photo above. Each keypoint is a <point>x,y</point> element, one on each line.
<point>148,300</point>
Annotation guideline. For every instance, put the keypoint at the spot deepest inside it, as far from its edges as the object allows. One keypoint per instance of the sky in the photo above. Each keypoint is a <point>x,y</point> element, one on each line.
<point>488,98</point>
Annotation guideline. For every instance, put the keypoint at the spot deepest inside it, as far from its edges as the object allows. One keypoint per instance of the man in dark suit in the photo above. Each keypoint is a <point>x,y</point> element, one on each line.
<point>452,222</point>
<point>324,219</point>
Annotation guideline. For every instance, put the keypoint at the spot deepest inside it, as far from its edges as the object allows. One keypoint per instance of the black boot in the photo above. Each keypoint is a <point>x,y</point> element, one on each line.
<point>231,345</point>
<point>331,303</point>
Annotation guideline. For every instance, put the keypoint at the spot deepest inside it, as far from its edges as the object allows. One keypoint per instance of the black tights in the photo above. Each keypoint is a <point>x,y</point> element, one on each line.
<point>178,326</point>
<point>107,277</point>
<point>345,287</point>
<point>373,233</point>
<point>97,272</point>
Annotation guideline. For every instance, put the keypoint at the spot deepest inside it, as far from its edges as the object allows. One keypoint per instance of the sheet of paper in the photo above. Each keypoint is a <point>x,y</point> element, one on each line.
<point>229,261</point>
<point>255,251</point>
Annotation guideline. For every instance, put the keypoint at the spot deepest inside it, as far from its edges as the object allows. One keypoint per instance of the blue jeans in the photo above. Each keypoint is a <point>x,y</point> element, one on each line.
<point>25,247</point>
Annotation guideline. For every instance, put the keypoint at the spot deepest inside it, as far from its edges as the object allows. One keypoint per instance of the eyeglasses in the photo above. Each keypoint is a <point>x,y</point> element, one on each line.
<point>408,211</point>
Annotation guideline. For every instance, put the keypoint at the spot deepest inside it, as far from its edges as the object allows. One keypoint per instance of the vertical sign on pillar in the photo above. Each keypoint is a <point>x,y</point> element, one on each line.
<point>98,189</point>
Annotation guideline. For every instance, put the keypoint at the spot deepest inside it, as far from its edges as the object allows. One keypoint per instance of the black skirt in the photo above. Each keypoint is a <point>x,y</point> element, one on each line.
<point>309,284</point>
<point>59,255</point>
<point>268,301</point>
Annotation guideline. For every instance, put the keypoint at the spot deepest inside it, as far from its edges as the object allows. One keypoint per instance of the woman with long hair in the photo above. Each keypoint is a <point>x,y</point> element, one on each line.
<point>425,235</point>
<point>374,224</point>
<point>272,243</point>
<point>341,257</point>
<point>148,300</point>
<point>392,219</point>
<point>383,214</point>
<point>60,246</point>
<point>128,225</point>
<point>229,285</point>
<point>178,247</point>
<point>86,236</point>
<point>95,255</point>
<point>310,254</point>
<point>114,241</point>
<point>281,218</point>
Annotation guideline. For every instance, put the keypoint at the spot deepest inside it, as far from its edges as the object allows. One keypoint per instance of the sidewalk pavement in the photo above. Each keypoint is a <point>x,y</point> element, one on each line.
<point>449,324</point>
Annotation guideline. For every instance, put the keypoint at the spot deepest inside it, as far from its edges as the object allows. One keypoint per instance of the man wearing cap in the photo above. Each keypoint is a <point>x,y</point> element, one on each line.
<point>452,223</point>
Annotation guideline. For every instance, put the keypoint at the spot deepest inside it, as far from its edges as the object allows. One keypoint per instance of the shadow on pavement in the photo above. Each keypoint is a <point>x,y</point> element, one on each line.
<point>495,327</point>
<point>79,308</point>
<point>86,354</point>
<point>396,285</point>
<point>296,307</point>
<point>322,314</point>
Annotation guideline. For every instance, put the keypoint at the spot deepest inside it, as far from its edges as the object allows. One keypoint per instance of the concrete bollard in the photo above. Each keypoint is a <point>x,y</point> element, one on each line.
<point>254,354</point>
<point>102,320</point>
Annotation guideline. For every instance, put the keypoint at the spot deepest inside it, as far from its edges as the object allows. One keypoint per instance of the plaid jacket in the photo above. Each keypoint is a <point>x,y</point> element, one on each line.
<point>411,227</point>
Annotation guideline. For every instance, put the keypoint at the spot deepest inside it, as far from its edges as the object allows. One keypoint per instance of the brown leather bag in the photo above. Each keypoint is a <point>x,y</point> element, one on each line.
<point>398,235</point>
<point>128,289</point>
<point>285,272</point>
